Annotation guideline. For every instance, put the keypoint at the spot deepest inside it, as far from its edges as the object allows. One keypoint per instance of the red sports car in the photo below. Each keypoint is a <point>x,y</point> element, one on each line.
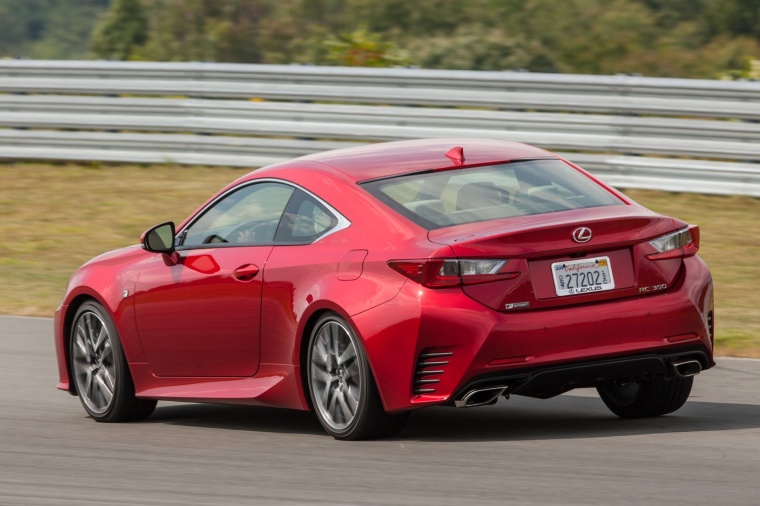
<point>367,282</point>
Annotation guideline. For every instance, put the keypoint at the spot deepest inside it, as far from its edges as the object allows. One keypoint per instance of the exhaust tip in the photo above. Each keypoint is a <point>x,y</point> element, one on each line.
<point>687,368</point>
<point>480,397</point>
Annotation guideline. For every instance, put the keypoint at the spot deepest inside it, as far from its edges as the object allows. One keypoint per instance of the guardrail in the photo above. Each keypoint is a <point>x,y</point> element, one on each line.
<point>175,112</point>
<point>397,77</point>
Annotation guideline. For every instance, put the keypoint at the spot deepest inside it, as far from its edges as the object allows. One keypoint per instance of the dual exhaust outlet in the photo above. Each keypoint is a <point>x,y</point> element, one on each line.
<point>686,368</point>
<point>489,395</point>
<point>480,397</point>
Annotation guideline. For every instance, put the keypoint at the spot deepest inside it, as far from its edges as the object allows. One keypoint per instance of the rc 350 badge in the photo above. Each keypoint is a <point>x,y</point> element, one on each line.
<point>653,288</point>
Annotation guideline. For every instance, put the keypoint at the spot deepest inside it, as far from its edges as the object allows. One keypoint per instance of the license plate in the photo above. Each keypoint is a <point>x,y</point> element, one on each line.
<point>583,276</point>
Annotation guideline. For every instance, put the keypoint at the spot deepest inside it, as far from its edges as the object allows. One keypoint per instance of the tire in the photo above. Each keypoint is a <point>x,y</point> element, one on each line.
<point>99,370</point>
<point>342,389</point>
<point>646,398</point>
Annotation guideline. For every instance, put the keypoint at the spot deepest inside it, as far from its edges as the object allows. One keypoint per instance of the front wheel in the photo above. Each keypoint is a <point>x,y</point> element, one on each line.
<point>646,398</point>
<point>100,372</point>
<point>342,389</point>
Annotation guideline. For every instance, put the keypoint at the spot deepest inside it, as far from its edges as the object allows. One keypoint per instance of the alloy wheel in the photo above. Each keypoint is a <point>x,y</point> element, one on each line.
<point>93,362</point>
<point>335,375</point>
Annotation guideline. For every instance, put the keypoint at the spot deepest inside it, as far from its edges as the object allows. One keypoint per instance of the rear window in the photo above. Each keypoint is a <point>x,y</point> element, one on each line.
<point>441,199</point>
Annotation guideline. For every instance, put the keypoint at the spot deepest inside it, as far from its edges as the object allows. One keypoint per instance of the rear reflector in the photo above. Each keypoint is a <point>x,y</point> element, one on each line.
<point>509,361</point>
<point>682,337</point>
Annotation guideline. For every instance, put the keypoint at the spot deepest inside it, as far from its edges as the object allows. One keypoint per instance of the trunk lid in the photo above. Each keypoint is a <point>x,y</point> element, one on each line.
<point>539,248</point>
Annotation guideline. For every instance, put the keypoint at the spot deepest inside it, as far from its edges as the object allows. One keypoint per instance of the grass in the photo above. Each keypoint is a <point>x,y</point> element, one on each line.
<point>730,245</point>
<point>53,218</point>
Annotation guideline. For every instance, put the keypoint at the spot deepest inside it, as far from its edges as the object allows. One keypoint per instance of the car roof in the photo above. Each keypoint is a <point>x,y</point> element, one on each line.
<point>386,159</point>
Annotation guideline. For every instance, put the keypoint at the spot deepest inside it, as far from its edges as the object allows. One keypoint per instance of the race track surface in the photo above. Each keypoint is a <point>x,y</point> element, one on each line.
<point>569,450</point>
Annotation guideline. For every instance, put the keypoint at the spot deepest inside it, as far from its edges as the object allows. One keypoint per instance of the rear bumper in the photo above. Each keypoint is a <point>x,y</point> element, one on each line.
<point>549,381</point>
<point>640,335</point>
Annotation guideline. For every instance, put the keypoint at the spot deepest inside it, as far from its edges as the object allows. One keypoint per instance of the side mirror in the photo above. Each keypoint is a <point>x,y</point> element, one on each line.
<point>159,239</point>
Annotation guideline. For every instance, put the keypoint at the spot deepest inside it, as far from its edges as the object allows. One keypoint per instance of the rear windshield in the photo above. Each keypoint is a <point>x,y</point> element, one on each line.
<point>441,199</point>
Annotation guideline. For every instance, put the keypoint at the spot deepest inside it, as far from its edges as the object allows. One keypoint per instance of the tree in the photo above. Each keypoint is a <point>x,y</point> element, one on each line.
<point>361,48</point>
<point>687,38</point>
<point>735,17</point>
<point>204,30</point>
<point>475,47</point>
<point>50,29</point>
<point>123,30</point>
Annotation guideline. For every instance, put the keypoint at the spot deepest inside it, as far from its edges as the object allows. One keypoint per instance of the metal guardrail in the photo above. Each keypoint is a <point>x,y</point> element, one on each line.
<point>747,151</point>
<point>73,111</point>
<point>397,77</point>
<point>25,106</point>
<point>624,171</point>
<point>440,97</point>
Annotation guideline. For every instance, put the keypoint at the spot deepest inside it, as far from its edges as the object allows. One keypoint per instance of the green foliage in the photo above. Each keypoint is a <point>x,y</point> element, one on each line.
<point>689,38</point>
<point>361,48</point>
<point>750,69</point>
<point>472,47</point>
<point>735,17</point>
<point>123,30</point>
<point>426,17</point>
<point>204,30</point>
<point>51,29</point>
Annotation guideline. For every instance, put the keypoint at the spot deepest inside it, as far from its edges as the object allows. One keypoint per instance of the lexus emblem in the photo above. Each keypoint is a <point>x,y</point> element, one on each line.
<point>582,234</point>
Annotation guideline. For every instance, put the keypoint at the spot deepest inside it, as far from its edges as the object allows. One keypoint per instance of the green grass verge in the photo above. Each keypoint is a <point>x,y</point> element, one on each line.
<point>53,218</point>
<point>730,245</point>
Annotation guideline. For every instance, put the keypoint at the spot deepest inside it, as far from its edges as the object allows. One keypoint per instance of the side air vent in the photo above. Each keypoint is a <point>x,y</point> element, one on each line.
<point>430,365</point>
<point>711,326</point>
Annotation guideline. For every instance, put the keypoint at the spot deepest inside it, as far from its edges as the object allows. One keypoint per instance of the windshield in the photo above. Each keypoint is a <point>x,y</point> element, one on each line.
<point>441,199</point>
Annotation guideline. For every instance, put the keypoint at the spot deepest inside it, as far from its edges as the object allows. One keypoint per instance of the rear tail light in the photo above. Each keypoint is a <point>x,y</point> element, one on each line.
<point>680,244</point>
<point>440,272</point>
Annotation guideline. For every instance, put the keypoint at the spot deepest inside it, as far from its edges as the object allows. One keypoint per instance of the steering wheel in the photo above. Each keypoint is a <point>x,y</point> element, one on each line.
<point>214,239</point>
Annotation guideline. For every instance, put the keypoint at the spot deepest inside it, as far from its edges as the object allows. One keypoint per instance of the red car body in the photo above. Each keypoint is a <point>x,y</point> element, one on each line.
<point>195,327</point>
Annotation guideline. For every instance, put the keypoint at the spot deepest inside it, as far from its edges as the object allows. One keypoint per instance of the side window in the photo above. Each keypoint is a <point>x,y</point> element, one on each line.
<point>305,220</point>
<point>247,216</point>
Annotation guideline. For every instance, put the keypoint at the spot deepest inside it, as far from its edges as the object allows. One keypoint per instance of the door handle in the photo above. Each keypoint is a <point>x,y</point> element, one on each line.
<point>246,272</point>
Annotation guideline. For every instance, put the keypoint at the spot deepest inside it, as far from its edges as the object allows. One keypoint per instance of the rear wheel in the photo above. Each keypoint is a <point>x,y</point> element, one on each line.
<point>646,398</point>
<point>100,373</point>
<point>342,389</point>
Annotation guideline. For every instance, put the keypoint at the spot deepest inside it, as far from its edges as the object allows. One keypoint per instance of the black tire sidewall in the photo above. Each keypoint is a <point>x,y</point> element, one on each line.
<point>655,397</point>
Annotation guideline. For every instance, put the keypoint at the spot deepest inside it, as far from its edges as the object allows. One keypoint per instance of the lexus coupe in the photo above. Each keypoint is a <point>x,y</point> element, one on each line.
<point>367,282</point>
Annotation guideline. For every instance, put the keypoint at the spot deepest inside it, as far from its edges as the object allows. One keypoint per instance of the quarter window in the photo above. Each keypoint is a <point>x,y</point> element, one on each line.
<point>305,220</point>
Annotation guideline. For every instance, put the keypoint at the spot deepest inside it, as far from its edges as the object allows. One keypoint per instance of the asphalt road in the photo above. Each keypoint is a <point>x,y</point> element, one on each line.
<point>569,450</point>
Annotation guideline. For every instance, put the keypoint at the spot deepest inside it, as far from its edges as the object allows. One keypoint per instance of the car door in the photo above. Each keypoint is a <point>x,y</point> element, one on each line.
<point>199,314</point>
